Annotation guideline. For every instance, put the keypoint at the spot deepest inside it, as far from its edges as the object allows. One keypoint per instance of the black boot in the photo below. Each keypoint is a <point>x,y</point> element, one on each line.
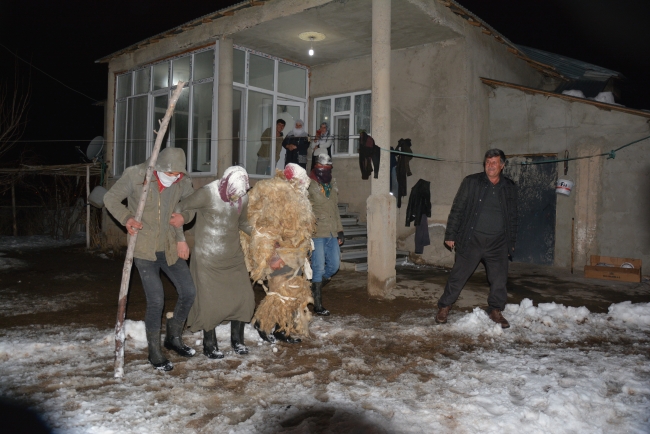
<point>156,357</point>
<point>174,338</point>
<point>316,291</point>
<point>282,336</point>
<point>237,337</point>
<point>263,334</point>
<point>210,347</point>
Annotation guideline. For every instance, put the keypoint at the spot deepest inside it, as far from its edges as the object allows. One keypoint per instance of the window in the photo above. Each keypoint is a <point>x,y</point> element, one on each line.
<point>263,87</point>
<point>346,115</point>
<point>142,99</point>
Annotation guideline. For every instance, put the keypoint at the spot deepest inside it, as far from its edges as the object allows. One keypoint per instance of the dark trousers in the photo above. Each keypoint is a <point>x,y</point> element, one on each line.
<point>179,274</point>
<point>493,251</point>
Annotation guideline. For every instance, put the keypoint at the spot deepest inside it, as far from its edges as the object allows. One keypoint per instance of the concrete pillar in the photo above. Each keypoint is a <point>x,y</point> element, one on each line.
<point>224,144</point>
<point>381,206</point>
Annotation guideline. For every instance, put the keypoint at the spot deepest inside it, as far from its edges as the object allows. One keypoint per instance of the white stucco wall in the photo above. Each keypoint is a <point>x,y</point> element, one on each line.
<point>610,201</point>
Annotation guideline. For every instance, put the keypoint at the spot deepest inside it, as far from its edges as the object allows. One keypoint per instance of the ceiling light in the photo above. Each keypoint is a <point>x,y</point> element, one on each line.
<point>311,37</point>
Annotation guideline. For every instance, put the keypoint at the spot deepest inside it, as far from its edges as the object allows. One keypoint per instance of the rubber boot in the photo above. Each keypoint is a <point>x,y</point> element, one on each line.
<point>156,357</point>
<point>266,337</point>
<point>210,347</point>
<point>237,337</point>
<point>174,338</point>
<point>282,336</point>
<point>316,291</point>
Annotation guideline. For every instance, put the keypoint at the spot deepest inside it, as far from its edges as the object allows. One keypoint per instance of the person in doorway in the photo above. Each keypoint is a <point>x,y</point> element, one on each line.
<point>160,245</point>
<point>264,162</point>
<point>328,236</point>
<point>218,268</point>
<point>482,226</point>
<point>296,144</point>
<point>322,143</point>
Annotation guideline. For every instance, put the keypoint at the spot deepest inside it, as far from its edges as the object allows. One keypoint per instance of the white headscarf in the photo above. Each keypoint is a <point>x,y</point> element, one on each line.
<point>299,132</point>
<point>297,176</point>
<point>234,183</point>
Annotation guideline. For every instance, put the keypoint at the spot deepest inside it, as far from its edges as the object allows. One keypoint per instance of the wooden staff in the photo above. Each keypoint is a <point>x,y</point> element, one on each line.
<point>128,261</point>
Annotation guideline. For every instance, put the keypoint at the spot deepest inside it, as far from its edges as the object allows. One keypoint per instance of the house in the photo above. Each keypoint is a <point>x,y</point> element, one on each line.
<point>428,70</point>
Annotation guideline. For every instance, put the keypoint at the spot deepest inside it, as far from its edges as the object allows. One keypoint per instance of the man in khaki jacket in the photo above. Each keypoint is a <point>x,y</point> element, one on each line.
<point>328,237</point>
<point>159,246</point>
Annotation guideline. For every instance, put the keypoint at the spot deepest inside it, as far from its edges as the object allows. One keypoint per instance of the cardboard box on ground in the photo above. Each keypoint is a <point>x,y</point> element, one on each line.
<point>612,268</point>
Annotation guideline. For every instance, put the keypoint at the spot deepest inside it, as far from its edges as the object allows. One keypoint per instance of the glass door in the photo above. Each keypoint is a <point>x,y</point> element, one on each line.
<point>342,134</point>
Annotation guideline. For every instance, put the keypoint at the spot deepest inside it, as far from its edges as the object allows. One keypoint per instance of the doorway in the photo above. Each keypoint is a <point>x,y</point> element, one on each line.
<point>536,207</point>
<point>289,112</point>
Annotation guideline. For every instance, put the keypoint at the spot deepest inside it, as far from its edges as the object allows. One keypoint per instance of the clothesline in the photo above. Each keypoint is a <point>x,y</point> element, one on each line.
<point>610,155</point>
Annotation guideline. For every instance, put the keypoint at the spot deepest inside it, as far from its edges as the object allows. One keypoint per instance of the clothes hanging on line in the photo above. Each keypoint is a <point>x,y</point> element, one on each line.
<point>369,156</point>
<point>403,168</point>
<point>418,209</point>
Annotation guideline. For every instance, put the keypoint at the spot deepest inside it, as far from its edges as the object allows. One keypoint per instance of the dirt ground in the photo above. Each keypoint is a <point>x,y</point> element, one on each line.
<point>63,271</point>
<point>98,279</point>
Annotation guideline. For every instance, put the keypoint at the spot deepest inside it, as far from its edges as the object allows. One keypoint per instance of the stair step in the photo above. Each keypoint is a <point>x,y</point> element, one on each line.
<point>343,207</point>
<point>355,230</point>
<point>401,258</point>
<point>355,243</point>
<point>354,254</point>
<point>348,221</point>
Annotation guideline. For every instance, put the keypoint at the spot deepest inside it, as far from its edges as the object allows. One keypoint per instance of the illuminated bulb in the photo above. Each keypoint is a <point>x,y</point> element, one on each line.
<point>311,51</point>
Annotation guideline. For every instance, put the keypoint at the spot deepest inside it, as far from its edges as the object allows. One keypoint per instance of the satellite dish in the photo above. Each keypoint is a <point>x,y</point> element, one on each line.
<point>95,148</point>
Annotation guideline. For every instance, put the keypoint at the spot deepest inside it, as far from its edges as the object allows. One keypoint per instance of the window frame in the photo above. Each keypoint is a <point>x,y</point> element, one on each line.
<point>152,94</point>
<point>333,114</point>
<point>277,97</point>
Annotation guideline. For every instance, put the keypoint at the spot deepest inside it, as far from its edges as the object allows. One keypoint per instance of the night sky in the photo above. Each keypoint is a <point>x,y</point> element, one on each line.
<point>64,38</point>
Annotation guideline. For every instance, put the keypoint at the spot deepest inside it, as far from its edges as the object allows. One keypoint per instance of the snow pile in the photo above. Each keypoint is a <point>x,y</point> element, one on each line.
<point>14,303</point>
<point>38,242</point>
<point>557,369</point>
<point>573,92</point>
<point>631,314</point>
<point>7,264</point>
<point>477,323</point>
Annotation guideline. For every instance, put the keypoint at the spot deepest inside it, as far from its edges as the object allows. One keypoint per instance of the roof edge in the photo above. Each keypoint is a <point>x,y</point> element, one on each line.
<point>601,105</point>
<point>225,12</point>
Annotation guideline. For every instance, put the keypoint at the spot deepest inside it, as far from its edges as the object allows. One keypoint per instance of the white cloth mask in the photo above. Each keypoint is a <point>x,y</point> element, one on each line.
<point>167,180</point>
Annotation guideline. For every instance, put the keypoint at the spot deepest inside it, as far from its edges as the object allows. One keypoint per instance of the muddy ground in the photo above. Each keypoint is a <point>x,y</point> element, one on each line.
<point>96,278</point>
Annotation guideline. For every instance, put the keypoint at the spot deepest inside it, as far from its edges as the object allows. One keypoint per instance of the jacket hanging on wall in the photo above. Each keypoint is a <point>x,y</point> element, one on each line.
<point>419,208</point>
<point>403,168</point>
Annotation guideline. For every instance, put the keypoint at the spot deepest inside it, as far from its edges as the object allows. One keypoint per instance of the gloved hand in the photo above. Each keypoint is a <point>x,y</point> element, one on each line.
<point>341,238</point>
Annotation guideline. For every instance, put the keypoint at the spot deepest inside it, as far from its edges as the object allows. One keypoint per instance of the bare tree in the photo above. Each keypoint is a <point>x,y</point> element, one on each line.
<point>13,113</point>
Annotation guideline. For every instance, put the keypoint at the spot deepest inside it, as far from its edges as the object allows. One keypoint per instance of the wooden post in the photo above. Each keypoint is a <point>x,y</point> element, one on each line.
<point>87,207</point>
<point>573,237</point>
<point>13,206</point>
<point>128,261</point>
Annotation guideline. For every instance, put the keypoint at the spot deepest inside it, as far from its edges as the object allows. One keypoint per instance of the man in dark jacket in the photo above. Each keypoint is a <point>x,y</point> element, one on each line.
<point>482,226</point>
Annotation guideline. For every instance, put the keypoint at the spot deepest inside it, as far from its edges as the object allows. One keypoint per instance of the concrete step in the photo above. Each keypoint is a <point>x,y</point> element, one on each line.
<point>348,221</point>
<point>401,258</point>
<point>355,230</point>
<point>343,207</point>
<point>354,243</point>
<point>354,254</point>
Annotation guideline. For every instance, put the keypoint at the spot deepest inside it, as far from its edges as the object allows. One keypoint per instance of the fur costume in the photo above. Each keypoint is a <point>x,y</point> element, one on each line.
<point>280,213</point>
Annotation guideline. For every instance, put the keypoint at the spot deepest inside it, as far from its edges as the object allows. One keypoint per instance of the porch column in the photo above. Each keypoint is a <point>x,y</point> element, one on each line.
<point>224,145</point>
<point>381,205</point>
